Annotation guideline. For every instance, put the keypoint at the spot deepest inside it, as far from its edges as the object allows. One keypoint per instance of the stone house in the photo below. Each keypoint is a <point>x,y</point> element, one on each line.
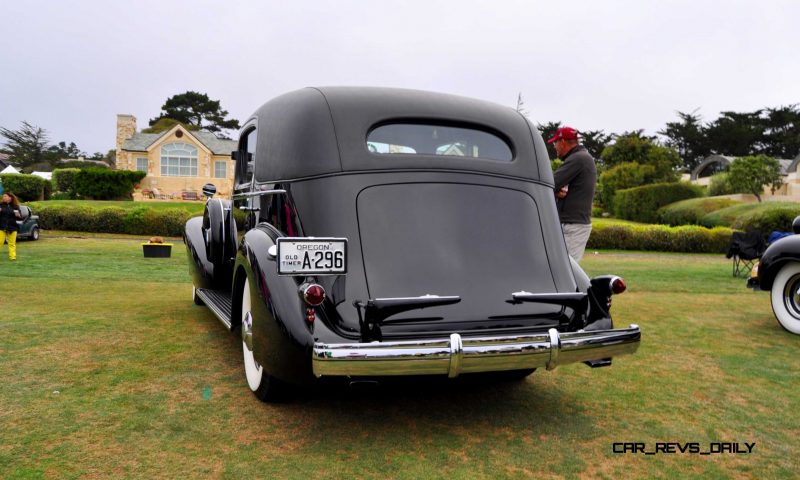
<point>176,161</point>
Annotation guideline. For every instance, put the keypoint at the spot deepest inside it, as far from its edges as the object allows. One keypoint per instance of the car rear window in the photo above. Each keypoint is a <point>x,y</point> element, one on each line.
<point>425,139</point>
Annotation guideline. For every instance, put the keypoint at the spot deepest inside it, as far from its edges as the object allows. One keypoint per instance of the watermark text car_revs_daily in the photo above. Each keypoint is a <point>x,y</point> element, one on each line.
<point>694,448</point>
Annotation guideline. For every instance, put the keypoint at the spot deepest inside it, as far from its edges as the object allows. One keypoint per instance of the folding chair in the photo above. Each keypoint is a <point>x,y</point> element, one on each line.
<point>745,249</point>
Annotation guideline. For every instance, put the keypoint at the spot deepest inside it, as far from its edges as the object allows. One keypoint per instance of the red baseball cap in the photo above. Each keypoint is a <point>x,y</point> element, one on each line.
<point>564,133</point>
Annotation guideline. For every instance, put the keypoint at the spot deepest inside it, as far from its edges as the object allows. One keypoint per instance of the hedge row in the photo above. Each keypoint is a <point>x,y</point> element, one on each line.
<point>136,221</point>
<point>692,211</point>
<point>171,221</point>
<point>661,238</point>
<point>26,187</point>
<point>710,212</point>
<point>641,204</point>
<point>768,220</point>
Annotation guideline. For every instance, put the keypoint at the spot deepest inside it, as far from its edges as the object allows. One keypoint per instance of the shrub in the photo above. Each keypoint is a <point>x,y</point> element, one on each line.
<point>82,164</point>
<point>106,184</point>
<point>746,216</point>
<point>60,196</point>
<point>27,187</point>
<point>767,220</point>
<point>109,220</point>
<point>720,184</point>
<point>64,181</point>
<point>136,221</point>
<point>689,238</point>
<point>622,176</point>
<point>692,211</point>
<point>641,204</point>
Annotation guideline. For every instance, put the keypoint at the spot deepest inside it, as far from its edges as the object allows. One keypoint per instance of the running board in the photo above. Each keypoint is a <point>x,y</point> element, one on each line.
<point>219,302</point>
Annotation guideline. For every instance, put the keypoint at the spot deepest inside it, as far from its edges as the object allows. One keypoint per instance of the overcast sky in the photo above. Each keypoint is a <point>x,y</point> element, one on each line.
<point>71,66</point>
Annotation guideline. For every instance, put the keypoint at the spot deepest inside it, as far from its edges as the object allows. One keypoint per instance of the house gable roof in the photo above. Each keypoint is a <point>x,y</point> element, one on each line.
<point>187,136</point>
<point>142,142</point>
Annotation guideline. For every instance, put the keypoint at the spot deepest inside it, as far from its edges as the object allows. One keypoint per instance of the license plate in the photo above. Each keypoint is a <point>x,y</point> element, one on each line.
<point>312,256</point>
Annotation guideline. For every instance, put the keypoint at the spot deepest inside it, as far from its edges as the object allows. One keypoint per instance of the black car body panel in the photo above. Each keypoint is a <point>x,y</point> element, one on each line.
<point>457,231</point>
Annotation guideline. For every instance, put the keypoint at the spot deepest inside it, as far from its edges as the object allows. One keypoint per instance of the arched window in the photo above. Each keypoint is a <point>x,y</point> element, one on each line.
<point>178,160</point>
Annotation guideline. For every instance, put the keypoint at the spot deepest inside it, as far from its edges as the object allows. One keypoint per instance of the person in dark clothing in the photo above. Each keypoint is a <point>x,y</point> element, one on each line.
<point>575,183</point>
<point>9,213</point>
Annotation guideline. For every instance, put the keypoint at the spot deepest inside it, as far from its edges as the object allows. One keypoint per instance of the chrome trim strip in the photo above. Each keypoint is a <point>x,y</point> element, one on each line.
<point>258,193</point>
<point>458,354</point>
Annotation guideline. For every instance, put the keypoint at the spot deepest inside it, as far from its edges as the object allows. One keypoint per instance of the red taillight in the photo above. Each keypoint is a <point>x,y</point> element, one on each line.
<point>618,285</point>
<point>312,294</point>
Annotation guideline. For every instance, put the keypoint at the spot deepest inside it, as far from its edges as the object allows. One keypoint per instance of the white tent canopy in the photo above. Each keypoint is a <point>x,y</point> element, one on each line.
<point>10,169</point>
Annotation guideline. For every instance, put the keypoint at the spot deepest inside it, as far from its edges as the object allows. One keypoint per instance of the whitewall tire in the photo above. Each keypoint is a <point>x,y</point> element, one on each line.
<point>266,387</point>
<point>252,369</point>
<point>785,295</point>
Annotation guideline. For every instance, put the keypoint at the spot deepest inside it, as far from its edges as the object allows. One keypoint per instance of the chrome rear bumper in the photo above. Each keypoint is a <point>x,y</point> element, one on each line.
<point>455,355</point>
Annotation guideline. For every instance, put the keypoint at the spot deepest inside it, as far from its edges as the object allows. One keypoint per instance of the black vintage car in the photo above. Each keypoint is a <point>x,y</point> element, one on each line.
<point>393,232</point>
<point>778,271</point>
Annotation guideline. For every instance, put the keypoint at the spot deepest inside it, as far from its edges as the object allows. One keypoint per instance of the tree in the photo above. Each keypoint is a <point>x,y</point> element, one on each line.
<point>782,132</point>
<point>62,150</point>
<point>688,138</point>
<point>634,147</point>
<point>194,108</point>
<point>163,124</point>
<point>751,174</point>
<point>25,146</point>
<point>634,160</point>
<point>111,157</point>
<point>596,141</point>
<point>548,130</point>
<point>736,134</point>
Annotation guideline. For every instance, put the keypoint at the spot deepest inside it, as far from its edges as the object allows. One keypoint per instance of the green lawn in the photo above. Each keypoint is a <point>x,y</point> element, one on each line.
<point>110,371</point>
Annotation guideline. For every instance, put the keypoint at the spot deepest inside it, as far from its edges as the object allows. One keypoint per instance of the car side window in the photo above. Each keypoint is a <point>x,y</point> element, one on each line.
<point>245,159</point>
<point>281,214</point>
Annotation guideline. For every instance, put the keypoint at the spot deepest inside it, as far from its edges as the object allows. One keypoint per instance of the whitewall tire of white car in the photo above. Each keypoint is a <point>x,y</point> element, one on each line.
<point>785,295</point>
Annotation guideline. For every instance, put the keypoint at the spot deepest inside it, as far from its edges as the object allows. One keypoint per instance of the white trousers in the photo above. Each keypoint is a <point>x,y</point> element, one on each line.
<point>576,235</point>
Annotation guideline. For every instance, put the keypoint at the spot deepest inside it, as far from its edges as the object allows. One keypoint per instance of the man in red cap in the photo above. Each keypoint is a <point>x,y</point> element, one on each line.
<point>574,186</point>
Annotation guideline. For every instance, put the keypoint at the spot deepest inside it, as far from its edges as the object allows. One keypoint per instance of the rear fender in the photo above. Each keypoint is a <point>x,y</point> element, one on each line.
<point>281,331</point>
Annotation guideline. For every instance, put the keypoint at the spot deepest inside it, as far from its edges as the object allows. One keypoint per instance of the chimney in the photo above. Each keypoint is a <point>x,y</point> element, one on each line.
<point>126,128</point>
